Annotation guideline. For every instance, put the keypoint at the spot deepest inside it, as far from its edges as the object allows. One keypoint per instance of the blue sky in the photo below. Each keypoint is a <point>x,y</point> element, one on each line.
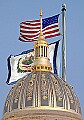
<point>13,12</point>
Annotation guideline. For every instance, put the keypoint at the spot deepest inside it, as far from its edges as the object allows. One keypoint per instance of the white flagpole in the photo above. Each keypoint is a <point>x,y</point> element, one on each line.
<point>64,41</point>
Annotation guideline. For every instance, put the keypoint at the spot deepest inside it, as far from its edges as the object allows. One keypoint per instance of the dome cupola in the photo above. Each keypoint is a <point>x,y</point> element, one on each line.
<point>41,62</point>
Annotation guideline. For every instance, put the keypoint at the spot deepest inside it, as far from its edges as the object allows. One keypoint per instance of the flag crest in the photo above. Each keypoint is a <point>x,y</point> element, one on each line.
<point>25,62</point>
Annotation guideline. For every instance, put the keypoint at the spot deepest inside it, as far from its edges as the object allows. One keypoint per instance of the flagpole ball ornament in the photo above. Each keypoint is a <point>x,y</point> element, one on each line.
<point>63,7</point>
<point>41,94</point>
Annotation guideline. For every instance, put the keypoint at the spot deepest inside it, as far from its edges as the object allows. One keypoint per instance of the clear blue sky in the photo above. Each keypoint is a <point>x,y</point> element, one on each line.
<point>12,12</point>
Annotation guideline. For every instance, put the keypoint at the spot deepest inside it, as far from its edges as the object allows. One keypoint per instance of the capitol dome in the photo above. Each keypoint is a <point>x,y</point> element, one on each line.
<point>41,91</point>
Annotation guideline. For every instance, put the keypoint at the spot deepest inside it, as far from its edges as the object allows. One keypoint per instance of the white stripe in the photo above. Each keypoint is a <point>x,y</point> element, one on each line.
<point>30,34</point>
<point>30,26</point>
<point>30,29</point>
<point>51,29</point>
<point>51,34</point>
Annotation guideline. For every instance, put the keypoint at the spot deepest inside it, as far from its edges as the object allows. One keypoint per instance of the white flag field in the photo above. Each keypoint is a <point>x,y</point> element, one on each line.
<point>20,65</point>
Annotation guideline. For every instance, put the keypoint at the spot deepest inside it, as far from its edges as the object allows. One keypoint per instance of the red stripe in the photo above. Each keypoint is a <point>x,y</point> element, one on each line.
<point>25,37</point>
<point>50,27</point>
<point>29,31</point>
<point>29,27</point>
<point>27,40</point>
<point>50,36</point>
<point>32,24</point>
<point>50,32</point>
<point>30,36</point>
<point>30,21</point>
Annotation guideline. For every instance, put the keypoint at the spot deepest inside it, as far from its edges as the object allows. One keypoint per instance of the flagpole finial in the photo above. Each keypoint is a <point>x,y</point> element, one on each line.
<point>63,7</point>
<point>41,12</point>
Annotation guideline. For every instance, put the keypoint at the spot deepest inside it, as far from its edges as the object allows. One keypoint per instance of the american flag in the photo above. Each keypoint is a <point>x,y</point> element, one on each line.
<point>29,30</point>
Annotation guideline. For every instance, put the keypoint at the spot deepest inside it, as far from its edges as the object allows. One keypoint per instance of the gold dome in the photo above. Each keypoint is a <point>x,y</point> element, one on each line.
<point>41,91</point>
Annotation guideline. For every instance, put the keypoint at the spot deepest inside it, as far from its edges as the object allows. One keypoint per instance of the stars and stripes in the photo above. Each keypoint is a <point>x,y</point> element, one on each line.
<point>29,30</point>
<point>50,27</point>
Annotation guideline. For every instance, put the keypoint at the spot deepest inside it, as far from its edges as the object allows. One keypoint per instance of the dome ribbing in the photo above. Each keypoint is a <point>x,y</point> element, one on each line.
<point>42,90</point>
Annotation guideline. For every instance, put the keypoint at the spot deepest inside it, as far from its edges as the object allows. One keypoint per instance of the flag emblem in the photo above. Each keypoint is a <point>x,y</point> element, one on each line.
<point>25,62</point>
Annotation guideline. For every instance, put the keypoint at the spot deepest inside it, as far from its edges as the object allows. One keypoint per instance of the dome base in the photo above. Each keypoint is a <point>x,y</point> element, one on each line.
<point>41,115</point>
